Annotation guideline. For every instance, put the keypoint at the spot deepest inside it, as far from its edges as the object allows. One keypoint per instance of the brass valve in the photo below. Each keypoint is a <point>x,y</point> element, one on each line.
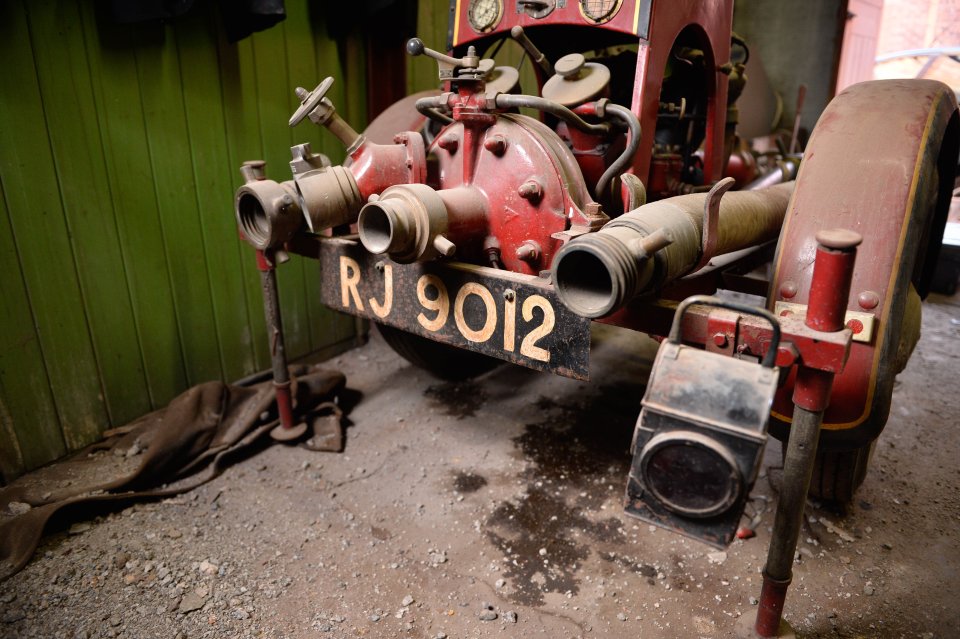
<point>320,110</point>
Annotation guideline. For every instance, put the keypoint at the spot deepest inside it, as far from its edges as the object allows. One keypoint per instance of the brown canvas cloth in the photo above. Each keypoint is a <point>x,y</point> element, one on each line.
<point>167,452</point>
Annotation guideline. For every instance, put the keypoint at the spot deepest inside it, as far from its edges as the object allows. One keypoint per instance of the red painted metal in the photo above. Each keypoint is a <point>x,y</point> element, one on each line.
<point>378,166</point>
<point>884,199</point>
<point>284,403</point>
<point>708,23</point>
<point>773,595</point>
<point>833,267</point>
<point>530,188</point>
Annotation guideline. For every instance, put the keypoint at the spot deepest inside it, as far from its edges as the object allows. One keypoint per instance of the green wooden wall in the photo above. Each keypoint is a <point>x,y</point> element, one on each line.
<point>123,281</point>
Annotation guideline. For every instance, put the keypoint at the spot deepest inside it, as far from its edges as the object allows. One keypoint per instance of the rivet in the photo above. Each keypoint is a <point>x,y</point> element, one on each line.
<point>868,300</point>
<point>788,289</point>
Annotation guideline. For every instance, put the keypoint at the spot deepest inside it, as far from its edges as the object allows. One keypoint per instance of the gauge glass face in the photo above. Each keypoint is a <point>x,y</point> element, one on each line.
<point>599,11</point>
<point>484,14</point>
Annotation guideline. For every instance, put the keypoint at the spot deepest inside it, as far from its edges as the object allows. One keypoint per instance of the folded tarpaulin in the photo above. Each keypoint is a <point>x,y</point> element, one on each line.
<point>164,453</point>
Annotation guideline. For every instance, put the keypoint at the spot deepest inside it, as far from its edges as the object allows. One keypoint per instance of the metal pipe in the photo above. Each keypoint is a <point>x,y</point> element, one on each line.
<point>783,172</point>
<point>278,354</point>
<point>413,222</point>
<point>508,101</point>
<point>626,116</point>
<point>597,273</point>
<point>428,107</point>
<point>829,290</point>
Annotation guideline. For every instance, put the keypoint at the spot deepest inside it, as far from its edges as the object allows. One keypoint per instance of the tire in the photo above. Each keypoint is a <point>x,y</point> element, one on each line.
<point>838,474</point>
<point>440,360</point>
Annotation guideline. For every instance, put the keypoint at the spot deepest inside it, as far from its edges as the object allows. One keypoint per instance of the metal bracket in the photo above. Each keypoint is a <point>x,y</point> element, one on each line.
<point>711,221</point>
<point>862,325</point>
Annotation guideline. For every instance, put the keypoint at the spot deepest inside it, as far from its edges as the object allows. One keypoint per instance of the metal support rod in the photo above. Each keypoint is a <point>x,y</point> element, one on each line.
<point>829,290</point>
<point>278,355</point>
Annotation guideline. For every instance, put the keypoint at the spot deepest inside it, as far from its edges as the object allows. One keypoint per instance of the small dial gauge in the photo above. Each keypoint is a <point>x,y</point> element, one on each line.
<point>484,14</point>
<point>599,11</point>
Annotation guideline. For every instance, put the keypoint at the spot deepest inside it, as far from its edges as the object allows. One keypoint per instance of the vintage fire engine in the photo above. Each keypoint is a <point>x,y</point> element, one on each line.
<point>471,232</point>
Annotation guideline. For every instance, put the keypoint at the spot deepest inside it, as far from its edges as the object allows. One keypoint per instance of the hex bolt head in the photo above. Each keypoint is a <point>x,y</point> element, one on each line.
<point>720,340</point>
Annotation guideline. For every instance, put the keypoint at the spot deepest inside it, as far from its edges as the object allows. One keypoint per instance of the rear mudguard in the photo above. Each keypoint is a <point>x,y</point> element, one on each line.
<point>880,162</point>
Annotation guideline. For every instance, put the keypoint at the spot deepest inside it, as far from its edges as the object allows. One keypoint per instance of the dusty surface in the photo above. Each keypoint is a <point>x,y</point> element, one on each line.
<point>505,492</point>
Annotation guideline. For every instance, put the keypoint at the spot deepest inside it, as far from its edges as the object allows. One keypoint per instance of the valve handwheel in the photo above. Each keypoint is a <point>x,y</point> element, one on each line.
<point>309,101</point>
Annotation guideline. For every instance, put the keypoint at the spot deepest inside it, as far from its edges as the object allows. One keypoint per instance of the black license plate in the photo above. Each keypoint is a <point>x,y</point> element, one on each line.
<point>514,317</point>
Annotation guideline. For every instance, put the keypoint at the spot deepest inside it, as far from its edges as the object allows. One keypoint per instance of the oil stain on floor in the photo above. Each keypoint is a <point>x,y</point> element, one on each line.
<point>457,399</point>
<point>577,454</point>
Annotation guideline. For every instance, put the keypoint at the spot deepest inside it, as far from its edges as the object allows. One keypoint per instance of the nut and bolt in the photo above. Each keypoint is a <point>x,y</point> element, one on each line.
<point>496,144</point>
<point>530,190</point>
<point>449,143</point>
<point>528,251</point>
<point>720,340</point>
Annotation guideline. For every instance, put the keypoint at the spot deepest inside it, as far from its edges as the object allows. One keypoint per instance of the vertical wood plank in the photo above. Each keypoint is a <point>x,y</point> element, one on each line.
<point>120,113</point>
<point>215,183</point>
<point>29,427</point>
<point>241,109</point>
<point>41,235</point>
<point>64,79</point>
<point>161,90</point>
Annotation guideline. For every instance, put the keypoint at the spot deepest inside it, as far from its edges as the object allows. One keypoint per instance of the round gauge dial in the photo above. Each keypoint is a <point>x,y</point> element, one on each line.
<point>484,14</point>
<point>599,11</point>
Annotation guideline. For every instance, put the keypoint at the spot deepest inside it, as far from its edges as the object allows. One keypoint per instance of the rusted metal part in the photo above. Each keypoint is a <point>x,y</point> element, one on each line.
<point>507,315</point>
<point>701,433</point>
<point>287,430</point>
<point>833,269</point>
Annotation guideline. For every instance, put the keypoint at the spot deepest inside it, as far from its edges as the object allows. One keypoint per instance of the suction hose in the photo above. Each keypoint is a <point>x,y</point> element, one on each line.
<point>644,249</point>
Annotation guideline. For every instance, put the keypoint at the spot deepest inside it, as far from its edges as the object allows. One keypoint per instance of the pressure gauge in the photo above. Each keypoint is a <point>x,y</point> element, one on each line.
<point>599,11</point>
<point>484,14</point>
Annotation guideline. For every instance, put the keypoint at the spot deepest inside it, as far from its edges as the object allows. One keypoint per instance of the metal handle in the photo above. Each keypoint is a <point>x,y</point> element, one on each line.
<point>707,300</point>
<point>309,100</point>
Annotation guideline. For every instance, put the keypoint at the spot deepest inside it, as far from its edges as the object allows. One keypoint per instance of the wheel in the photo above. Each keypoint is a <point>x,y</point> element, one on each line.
<point>443,361</point>
<point>892,185</point>
<point>838,474</point>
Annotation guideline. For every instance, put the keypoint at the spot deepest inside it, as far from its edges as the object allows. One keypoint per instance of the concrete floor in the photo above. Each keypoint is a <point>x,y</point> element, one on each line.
<point>506,492</point>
